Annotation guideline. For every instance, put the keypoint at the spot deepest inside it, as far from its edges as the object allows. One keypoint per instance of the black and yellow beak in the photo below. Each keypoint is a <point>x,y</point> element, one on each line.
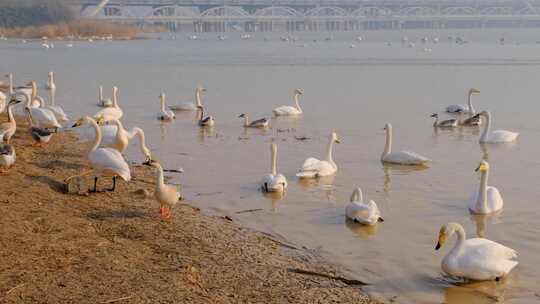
<point>440,241</point>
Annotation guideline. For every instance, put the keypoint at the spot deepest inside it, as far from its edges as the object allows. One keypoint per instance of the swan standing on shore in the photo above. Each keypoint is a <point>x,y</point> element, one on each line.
<point>360,212</point>
<point>7,129</point>
<point>259,123</point>
<point>477,258</point>
<point>189,106</point>
<point>313,168</point>
<point>488,198</point>
<point>7,157</point>
<point>164,114</point>
<point>448,123</point>
<point>57,110</point>
<point>205,121</point>
<point>274,182</point>
<point>497,136</point>
<point>110,113</point>
<point>462,108</point>
<point>122,137</point>
<point>104,102</point>
<point>42,117</point>
<point>166,195</point>
<point>400,157</point>
<point>105,162</point>
<point>290,110</point>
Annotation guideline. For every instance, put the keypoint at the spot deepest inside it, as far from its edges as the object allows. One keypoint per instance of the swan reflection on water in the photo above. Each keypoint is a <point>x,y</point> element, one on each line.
<point>482,220</point>
<point>393,169</point>
<point>325,183</point>
<point>474,292</point>
<point>363,231</point>
<point>274,198</point>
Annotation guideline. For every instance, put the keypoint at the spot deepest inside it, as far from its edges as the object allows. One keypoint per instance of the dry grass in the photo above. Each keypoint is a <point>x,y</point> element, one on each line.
<point>77,30</point>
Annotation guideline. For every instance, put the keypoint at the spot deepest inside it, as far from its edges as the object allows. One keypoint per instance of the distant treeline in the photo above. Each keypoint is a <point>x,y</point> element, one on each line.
<point>20,13</point>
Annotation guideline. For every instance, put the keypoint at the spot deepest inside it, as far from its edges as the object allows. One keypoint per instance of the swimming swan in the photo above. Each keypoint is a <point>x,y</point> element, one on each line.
<point>290,110</point>
<point>110,113</point>
<point>104,161</point>
<point>313,168</point>
<point>274,182</point>
<point>164,114</point>
<point>189,106</point>
<point>487,199</point>
<point>166,195</point>
<point>477,258</point>
<point>360,212</point>
<point>103,102</point>
<point>448,123</point>
<point>205,121</point>
<point>259,123</point>
<point>401,157</point>
<point>497,136</point>
<point>462,108</point>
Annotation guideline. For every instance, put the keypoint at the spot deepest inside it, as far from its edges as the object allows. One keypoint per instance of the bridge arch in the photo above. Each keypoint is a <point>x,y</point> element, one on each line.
<point>458,11</point>
<point>371,11</point>
<point>281,11</point>
<point>172,11</point>
<point>418,11</point>
<point>232,11</point>
<point>326,11</point>
<point>490,11</point>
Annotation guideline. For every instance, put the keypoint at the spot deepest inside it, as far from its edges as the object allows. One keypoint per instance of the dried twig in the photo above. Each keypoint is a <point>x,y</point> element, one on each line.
<point>248,210</point>
<point>16,287</point>
<point>324,275</point>
<point>117,300</point>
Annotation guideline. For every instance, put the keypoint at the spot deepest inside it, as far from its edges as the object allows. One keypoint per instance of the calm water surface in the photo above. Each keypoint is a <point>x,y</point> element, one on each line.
<point>354,91</point>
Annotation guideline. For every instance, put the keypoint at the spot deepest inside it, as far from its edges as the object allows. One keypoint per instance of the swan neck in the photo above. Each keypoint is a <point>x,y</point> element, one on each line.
<point>97,131</point>
<point>469,103</point>
<point>296,102</point>
<point>162,102</point>
<point>100,94</point>
<point>52,93</point>
<point>115,99</point>
<point>481,203</point>
<point>487,128</point>
<point>159,177</point>
<point>34,90</point>
<point>274,160</point>
<point>11,90</point>
<point>460,239</point>
<point>388,145</point>
<point>246,121</point>
<point>142,142</point>
<point>11,119</point>
<point>198,97</point>
<point>329,151</point>
<point>357,195</point>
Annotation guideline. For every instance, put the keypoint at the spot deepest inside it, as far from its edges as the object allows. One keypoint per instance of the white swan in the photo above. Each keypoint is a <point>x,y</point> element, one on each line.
<point>122,137</point>
<point>166,195</point>
<point>7,157</point>
<point>497,136</point>
<point>400,157</point>
<point>487,199</point>
<point>35,98</point>
<point>189,106</point>
<point>448,123</point>
<point>290,110</point>
<point>259,123</point>
<point>103,102</point>
<point>360,212</point>
<point>104,161</point>
<point>313,168</point>
<point>43,118</point>
<point>8,129</point>
<point>464,108</point>
<point>274,182</point>
<point>205,121</point>
<point>477,258</point>
<point>3,102</point>
<point>110,113</point>
<point>57,110</point>
<point>164,114</point>
<point>12,90</point>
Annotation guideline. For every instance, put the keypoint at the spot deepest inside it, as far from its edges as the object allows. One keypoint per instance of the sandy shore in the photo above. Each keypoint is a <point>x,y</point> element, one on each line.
<point>113,248</point>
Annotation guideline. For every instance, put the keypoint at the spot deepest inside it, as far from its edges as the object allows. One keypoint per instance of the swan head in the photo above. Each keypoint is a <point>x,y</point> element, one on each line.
<point>445,232</point>
<point>474,91</point>
<point>100,120</point>
<point>242,116</point>
<point>201,89</point>
<point>83,120</point>
<point>387,127</point>
<point>298,92</point>
<point>482,167</point>
<point>162,96</point>
<point>13,100</point>
<point>485,113</point>
<point>435,115</point>
<point>334,138</point>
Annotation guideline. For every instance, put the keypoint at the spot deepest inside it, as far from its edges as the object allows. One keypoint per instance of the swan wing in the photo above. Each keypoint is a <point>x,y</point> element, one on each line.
<point>107,159</point>
<point>494,199</point>
<point>310,168</point>
<point>500,136</point>
<point>406,158</point>
<point>483,259</point>
<point>286,110</point>
<point>259,122</point>
<point>110,113</point>
<point>44,118</point>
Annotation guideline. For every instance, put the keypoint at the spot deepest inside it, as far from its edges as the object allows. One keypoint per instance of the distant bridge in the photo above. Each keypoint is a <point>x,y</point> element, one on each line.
<point>313,15</point>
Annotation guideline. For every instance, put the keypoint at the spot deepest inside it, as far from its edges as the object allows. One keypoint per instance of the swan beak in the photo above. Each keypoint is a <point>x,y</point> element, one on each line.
<point>440,241</point>
<point>338,141</point>
<point>434,115</point>
<point>380,219</point>
<point>477,168</point>
<point>482,167</point>
<point>77,124</point>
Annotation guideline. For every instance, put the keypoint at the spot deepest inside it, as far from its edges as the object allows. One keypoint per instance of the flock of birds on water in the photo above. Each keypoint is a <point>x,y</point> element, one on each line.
<point>473,259</point>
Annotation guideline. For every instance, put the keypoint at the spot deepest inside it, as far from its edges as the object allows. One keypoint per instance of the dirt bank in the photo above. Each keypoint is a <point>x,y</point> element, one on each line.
<point>113,248</point>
